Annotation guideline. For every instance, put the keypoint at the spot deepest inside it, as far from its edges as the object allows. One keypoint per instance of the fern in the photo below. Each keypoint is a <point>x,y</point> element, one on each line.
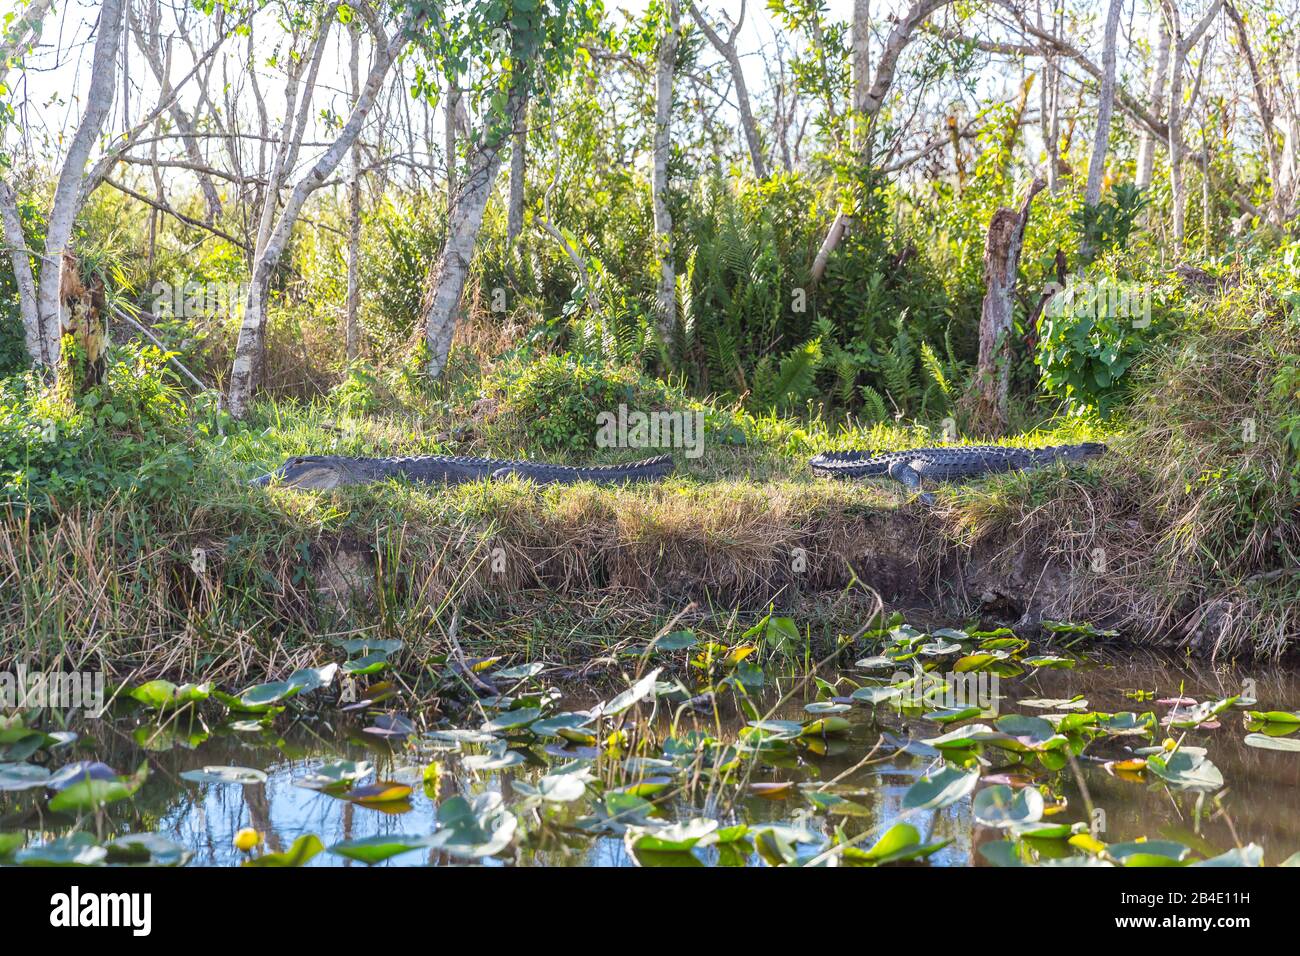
<point>873,406</point>
<point>791,381</point>
<point>930,359</point>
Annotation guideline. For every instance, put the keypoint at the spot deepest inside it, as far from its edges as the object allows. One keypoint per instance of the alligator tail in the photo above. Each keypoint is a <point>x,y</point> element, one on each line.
<point>846,464</point>
<point>544,474</point>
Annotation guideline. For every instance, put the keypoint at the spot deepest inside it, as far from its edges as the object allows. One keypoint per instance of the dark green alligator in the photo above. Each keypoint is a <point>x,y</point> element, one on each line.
<point>323,472</point>
<point>951,463</point>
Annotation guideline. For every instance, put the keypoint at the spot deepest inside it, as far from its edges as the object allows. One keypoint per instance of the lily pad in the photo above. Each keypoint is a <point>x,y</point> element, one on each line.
<point>1000,806</point>
<point>299,854</point>
<point>383,846</point>
<point>941,789</point>
<point>244,776</point>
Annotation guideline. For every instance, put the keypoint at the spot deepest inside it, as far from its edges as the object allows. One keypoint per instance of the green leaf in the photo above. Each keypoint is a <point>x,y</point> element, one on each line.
<point>302,850</point>
<point>941,789</point>
<point>1265,742</point>
<point>163,694</point>
<point>1000,806</point>
<point>90,794</point>
<point>376,849</point>
<point>78,849</point>
<point>244,776</point>
<point>22,776</point>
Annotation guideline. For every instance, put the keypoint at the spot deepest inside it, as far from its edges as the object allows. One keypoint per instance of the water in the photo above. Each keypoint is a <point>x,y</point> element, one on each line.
<point>1260,802</point>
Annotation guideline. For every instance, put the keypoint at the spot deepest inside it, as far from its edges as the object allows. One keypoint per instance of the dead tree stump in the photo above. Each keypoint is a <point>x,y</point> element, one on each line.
<point>83,328</point>
<point>986,401</point>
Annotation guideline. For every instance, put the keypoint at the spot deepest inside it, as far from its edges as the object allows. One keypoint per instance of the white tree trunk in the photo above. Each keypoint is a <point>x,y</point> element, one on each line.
<point>727,48</point>
<point>248,349</point>
<point>518,171</point>
<point>450,107</point>
<point>666,297</point>
<point>352,331</point>
<point>873,99</point>
<point>1146,156</point>
<point>1182,47</point>
<point>1105,105</point>
<point>22,265</point>
<point>22,33</point>
<point>64,208</point>
<point>442,304</point>
<point>861,75</point>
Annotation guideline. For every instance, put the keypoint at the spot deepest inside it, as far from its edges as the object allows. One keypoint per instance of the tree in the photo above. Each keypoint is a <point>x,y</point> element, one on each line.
<point>274,232</point>
<point>515,45</point>
<point>1159,76</point>
<point>727,48</point>
<point>1182,46</point>
<point>900,35</point>
<point>666,297</point>
<point>1101,138</point>
<point>987,400</point>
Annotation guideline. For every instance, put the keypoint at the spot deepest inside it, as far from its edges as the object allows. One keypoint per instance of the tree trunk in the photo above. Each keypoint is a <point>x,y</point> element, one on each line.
<point>1265,108</point>
<point>252,331</point>
<point>861,77</point>
<point>518,170</point>
<point>874,98</point>
<point>666,298</point>
<point>353,329</point>
<point>727,48</point>
<point>22,33</point>
<point>450,108</point>
<point>1156,95</point>
<point>16,240</point>
<point>987,401</point>
<point>1105,105</point>
<point>64,208</point>
<point>83,330</point>
<point>442,303</point>
<point>1182,46</point>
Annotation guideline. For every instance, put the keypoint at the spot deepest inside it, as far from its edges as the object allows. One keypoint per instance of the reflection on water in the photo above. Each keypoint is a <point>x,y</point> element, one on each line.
<point>1261,795</point>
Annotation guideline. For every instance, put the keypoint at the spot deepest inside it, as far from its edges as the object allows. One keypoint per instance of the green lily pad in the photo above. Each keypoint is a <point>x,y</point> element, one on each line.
<point>244,776</point>
<point>475,828</point>
<point>941,789</point>
<point>78,849</point>
<point>303,850</point>
<point>1265,742</point>
<point>22,776</point>
<point>384,846</point>
<point>164,695</point>
<point>1000,806</point>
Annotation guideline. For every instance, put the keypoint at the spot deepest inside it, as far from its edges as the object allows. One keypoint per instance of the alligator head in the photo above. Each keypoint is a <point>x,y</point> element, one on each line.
<point>1082,451</point>
<point>321,472</point>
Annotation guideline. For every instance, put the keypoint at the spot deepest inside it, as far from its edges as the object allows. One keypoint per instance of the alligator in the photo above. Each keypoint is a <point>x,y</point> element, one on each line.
<point>323,472</point>
<point>950,463</point>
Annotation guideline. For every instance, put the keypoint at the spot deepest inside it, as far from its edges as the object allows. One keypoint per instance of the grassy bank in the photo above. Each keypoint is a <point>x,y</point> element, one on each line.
<point>132,542</point>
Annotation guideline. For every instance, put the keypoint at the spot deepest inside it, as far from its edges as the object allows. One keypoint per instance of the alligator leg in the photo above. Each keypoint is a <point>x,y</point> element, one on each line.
<point>910,478</point>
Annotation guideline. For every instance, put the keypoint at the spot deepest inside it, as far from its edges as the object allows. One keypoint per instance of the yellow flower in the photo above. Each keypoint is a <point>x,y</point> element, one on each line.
<point>246,839</point>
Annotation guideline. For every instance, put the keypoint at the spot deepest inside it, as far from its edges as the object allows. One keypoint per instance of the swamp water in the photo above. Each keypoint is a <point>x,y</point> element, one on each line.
<point>1076,756</point>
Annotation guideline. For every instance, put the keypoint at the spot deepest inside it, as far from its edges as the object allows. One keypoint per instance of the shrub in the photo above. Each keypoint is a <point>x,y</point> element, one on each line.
<point>552,402</point>
<point>127,436</point>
